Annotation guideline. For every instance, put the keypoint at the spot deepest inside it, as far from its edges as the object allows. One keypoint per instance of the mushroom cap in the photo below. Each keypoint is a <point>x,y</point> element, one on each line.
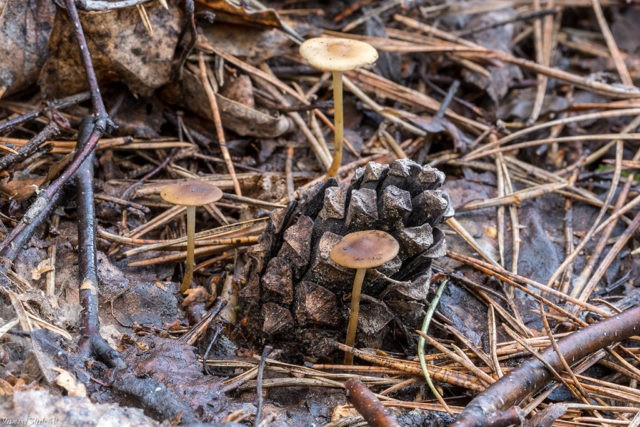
<point>337,54</point>
<point>191,193</point>
<point>365,249</point>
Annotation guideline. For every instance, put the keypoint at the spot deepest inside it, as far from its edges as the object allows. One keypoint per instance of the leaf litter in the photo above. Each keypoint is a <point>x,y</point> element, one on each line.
<point>538,144</point>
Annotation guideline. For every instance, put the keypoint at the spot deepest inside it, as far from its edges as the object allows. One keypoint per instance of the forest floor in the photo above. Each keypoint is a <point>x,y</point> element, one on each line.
<point>495,140</point>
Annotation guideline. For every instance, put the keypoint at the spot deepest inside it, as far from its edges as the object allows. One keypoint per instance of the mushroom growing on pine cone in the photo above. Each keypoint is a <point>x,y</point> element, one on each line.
<point>296,297</point>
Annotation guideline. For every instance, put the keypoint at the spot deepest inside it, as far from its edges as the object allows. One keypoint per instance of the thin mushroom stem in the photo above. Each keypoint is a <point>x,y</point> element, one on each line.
<point>353,314</point>
<point>190,194</point>
<point>191,240</point>
<point>338,123</point>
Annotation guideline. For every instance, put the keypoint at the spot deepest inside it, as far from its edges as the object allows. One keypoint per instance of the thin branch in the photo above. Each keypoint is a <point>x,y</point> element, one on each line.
<point>30,147</point>
<point>215,116</point>
<point>55,105</point>
<point>96,98</point>
<point>265,353</point>
<point>91,342</point>
<point>618,60</point>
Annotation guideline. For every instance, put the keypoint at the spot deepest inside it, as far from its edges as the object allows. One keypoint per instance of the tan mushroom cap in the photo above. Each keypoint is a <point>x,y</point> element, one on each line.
<point>191,193</point>
<point>337,54</point>
<point>365,249</point>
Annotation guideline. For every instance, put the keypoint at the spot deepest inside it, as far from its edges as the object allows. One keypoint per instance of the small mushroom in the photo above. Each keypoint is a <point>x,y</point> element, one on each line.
<point>337,55</point>
<point>362,250</point>
<point>190,194</point>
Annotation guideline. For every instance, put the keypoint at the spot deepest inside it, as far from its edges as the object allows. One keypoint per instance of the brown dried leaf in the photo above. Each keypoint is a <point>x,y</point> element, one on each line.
<point>24,31</point>
<point>196,295</point>
<point>239,89</point>
<point>43,267</point>
<point>21,188</point>
<point>254,45</point>
<point>121,49</point>
<point>174,365</point>
<point>237,117</point>
<point>232,13</point>
<point>5,388</point>
<point>343,411</point>
<point>70,383</point>
<point>11,383</point>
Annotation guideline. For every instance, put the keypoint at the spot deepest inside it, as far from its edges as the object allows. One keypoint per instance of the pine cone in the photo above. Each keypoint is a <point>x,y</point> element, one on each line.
<point>295,296</point>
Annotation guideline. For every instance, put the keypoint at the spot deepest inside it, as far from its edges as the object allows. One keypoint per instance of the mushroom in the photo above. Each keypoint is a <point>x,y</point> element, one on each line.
<point>337,55</point>
<point>362,250</point>
<point>190,194</point>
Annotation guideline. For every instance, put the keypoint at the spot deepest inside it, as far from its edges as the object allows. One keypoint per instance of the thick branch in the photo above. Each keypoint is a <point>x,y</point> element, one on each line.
<point>87,250</point>
<point>368,405</point>
<point>91,342</point>
<point>96,99</point>
<point>532,374</point>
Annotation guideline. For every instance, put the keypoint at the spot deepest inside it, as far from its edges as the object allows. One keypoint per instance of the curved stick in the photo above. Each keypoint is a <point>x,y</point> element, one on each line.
<point>532,375</point>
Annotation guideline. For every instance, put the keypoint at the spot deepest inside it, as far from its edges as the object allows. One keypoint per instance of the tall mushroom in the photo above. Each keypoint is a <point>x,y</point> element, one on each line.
<point>190,194</point>
<point>362,250</point>
<point>337,55</point>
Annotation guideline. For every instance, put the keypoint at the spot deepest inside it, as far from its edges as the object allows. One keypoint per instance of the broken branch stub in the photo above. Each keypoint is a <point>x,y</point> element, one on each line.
<point>297,297</point>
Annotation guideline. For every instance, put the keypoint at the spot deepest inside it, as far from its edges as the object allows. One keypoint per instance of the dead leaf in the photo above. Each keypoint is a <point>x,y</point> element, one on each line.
<point>121,50</point>
<point>239,89</point>
<point>111,334</point>
<point>519,104</point>
<point>24,32</point>
<point>434,125</point>
<point>247,121</point>
<point>21,188</point>
<point>243,120</point>
<point>11,383</point>
<point>196,295</point>
<point>344,411</point>
<point>498,82</point>
<point>70,383</point>
<point>43,267</point>
<point>254,45</point>
<point>5,388</point>
<point>227,11</point>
